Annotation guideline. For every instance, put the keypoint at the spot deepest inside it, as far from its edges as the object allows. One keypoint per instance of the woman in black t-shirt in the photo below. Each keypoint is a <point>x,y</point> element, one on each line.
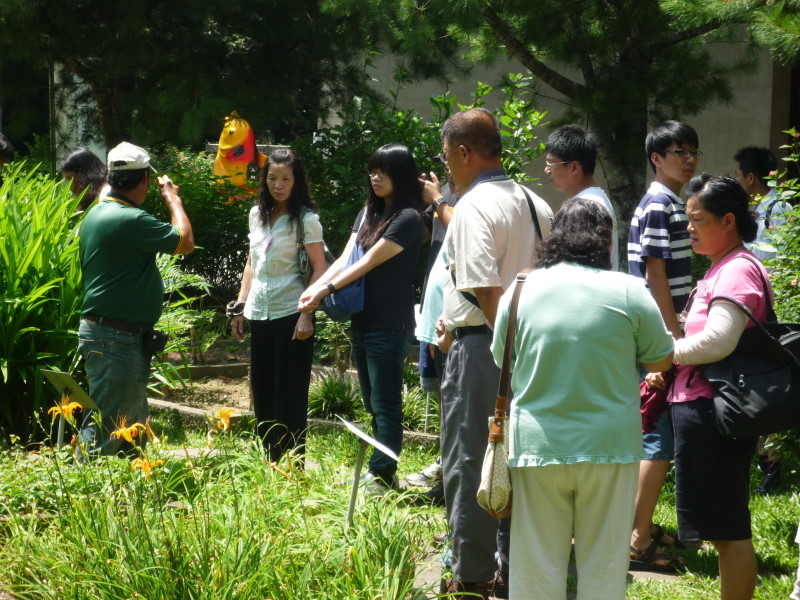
<point>391,235</point>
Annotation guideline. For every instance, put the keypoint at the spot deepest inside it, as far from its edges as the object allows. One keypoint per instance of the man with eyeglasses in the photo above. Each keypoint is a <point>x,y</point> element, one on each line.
<point>569,165</point>
<point>659,251</point>
<point>490,239</point>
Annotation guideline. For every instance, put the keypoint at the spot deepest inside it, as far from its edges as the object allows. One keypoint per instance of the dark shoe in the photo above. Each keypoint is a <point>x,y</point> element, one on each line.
<point>499,586</point>
<point>433,497</point>
<point>769,484</point>
<point>468,591</point>
<point>654,559</point>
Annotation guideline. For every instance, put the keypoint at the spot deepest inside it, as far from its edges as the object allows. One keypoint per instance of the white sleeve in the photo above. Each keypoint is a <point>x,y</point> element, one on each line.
<point>719,337</point>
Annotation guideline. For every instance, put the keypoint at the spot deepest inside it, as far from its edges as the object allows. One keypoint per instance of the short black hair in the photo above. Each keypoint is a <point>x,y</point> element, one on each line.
<point>6,149</point>
<point>758,161</point>
<point>721,195</point>
<point>581,234</point>
<point>571,143</point>
<point>477,129</point>
<point>126,180</point>
<point>669,132</point>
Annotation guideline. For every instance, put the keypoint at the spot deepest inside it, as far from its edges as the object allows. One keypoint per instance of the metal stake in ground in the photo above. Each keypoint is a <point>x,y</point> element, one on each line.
<point>364,441</point>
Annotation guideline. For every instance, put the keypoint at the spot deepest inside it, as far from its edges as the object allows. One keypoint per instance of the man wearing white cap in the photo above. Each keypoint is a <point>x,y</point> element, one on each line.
<point>123,292</point>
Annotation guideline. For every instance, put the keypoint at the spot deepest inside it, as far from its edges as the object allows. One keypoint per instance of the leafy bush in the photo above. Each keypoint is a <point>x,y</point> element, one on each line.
<point>334,394</point>
<point>40,292</point>
<point>218,215</point>
<point>336,157</point>
<point>415,407</point>
<point>785,267</point>
<point>332,345</point>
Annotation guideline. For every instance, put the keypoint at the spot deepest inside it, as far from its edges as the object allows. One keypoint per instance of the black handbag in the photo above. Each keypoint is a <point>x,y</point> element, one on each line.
<point>757,387</point>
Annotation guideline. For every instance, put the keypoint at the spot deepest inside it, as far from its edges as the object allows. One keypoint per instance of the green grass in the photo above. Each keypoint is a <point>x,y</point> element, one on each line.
<point>230,526</point>
<point>221,526</point>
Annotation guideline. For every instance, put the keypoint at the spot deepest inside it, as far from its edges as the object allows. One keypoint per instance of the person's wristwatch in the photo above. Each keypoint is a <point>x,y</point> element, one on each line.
<point>330,287</point>
<point>439,201</point>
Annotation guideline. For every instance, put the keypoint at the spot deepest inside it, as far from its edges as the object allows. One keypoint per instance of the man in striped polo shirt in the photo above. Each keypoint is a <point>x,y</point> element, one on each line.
<point>659,252</point>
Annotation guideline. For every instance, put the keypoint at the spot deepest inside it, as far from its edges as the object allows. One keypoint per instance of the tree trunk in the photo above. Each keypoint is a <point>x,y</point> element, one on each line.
<point>625,178</point>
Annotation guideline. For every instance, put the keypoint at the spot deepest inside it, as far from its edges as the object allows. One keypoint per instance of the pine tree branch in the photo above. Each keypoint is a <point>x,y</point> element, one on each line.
<point>688,34</point>
<point>518,50</point>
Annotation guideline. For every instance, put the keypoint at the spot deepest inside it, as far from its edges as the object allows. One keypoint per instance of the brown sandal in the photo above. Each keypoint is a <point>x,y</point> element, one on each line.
<point>651,559</point>
<point>657,533</point>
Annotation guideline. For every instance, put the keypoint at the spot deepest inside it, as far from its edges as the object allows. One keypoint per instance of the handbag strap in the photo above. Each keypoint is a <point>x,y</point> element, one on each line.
<point>771,316</point>
<point>470,297</point>
<point>496,432</point>
<point>534,216</point>
<point>300,228</point>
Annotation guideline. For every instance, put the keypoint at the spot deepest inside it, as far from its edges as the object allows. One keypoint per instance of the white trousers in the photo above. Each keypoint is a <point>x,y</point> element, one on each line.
<point>593,503</point>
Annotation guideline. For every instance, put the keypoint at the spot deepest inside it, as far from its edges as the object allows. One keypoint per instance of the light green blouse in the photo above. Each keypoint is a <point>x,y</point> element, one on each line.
<point>579,337</point>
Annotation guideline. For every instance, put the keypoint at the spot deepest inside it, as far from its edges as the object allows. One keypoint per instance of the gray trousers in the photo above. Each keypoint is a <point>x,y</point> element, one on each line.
<point>469,389</point>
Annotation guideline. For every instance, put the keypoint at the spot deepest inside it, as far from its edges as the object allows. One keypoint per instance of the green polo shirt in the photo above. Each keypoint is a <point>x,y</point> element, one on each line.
<point>118,247</point>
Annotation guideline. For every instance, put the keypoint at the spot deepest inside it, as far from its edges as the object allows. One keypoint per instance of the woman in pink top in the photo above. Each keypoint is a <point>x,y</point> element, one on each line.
<point>712,472</point>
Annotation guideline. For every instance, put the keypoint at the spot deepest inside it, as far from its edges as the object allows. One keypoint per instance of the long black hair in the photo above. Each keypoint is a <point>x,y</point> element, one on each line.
<point>89,172</point>
<point>721,195</point>
<point>581,234</point>
<point>300,196</point>
<point>398,163</point>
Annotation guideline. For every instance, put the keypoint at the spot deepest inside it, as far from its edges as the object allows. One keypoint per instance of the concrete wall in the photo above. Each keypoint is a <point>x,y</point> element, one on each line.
<point>755,117</point>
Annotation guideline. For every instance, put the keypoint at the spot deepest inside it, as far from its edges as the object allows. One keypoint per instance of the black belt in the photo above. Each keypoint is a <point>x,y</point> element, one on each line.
<point>117,324</point>
<point>460,332</point>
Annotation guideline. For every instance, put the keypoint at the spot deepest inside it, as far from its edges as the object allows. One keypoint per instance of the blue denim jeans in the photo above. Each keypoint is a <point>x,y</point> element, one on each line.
<point>117,370</point>
<point>380,356</point>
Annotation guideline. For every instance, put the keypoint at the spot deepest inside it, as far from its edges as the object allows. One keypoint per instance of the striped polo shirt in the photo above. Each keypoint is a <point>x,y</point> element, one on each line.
<point>658,230</point>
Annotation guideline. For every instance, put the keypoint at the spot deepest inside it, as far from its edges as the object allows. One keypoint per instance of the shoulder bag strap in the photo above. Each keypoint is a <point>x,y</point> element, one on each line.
<point>503,389</point>
<point>300,228</point>
<point>539,237</point>
<point>534,216</point>
<point>771,316</point>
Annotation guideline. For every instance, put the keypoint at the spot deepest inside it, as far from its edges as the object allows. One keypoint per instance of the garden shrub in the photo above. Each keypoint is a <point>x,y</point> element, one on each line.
<point>218,214</point>
<point>336,156</point>
<point>40,293</point>
<point>333,394</point>
<point>785,273</point>
<point>785,267</point>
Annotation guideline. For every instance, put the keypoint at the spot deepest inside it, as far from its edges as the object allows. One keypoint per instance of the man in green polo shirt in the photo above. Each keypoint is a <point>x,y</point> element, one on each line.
<point>123,292</point>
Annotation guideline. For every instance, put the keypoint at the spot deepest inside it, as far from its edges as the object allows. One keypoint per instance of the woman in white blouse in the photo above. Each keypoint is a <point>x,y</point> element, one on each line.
<point>281,338</point>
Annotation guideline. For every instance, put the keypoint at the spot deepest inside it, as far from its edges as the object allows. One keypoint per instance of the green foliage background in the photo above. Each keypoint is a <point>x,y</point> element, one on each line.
<point>40,292</point>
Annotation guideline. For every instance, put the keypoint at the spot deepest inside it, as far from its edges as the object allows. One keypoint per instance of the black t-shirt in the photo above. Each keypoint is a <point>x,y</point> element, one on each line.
<point>389,287</point>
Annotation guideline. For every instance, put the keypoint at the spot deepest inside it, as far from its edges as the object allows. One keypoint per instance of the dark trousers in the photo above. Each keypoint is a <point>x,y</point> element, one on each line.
<point>469,389</point>
<point>380,356</point>
<point>280,373</point>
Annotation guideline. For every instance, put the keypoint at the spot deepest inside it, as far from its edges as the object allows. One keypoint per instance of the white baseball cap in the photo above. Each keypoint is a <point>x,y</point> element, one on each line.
<point>127,157</point>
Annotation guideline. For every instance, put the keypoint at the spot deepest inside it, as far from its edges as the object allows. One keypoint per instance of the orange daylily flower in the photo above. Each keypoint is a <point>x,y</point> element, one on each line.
<point>145,465</point>
<point>223,416</point>
<point>66,408</point>
<point>148,431</point>
<point>128,433</point>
